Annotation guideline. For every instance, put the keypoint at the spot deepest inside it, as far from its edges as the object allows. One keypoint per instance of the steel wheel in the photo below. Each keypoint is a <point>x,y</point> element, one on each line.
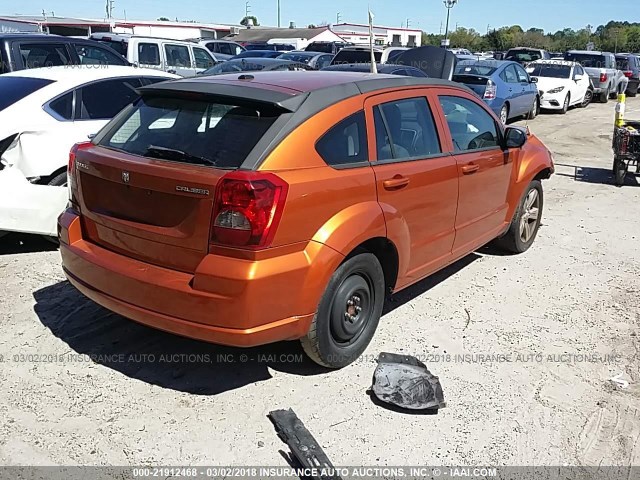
<point>588,97</point>
<point>530,215</point>
<point>351,309</point>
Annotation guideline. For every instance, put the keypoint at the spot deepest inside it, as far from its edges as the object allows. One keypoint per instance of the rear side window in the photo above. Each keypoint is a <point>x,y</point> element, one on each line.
<point>405,129</point>
<point>104,100</point>
<point>63,106</point>
<point>36,55</point>
<point>191,131</point>
<point>118,45</point>
<point>15,89</point>
<point>346,143</point>
<point>471,127</point>
<point>148,54</point>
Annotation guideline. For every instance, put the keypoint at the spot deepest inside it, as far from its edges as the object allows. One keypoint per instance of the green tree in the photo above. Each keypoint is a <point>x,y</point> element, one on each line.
<point>245,20</point>
<point>163,19</point>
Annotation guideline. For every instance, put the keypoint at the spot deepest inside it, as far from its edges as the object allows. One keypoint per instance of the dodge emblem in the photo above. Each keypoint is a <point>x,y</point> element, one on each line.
<point>125,177</point>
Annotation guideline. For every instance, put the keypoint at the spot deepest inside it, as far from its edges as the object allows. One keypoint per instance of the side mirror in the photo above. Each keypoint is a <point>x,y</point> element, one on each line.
<point>515,137</point>
<point>534,79</point>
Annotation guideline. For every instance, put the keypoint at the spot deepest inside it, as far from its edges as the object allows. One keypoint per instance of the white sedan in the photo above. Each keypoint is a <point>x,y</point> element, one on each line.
<point>561,84</point>
<point>43,113</point>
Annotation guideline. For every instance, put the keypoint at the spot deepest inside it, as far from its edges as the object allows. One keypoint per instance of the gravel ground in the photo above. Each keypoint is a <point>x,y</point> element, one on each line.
<point>565,315</point>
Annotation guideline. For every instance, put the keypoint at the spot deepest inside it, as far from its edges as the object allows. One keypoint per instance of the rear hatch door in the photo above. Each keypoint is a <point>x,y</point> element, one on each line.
<point>147,189</point>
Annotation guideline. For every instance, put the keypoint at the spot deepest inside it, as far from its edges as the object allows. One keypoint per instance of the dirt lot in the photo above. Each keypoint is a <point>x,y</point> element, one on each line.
<point>565,314</point>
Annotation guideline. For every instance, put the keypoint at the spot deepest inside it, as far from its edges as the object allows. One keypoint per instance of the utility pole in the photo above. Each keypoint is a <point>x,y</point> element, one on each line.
<point>247,9</point>
<point>488,28</point>
<point>408,20</point>
<point>338,17</point>
<point>449,4</point>
<point>278,13</point>
<point>440,27</point>
<point>110,9</point>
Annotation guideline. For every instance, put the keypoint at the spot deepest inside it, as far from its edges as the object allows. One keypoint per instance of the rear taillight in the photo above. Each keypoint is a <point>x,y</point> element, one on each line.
<point>490,91</point>
<point>603,77</point>
<point>247,209</point>
<point>628,74</point>
<point>71,170</point>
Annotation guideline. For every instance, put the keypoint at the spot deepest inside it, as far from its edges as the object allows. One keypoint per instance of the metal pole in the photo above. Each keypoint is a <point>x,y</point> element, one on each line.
<point>278,13</point>
<point>446,30</point>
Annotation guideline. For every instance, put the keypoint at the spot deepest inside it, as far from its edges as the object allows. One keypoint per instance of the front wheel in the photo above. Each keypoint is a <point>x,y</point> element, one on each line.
<point>535,109</point>
<point>526,221</point>
<point>565,105</point>
<point>348,314</point>
<point>604,96</point>
<point>588,96</point>
<point>620,171</point>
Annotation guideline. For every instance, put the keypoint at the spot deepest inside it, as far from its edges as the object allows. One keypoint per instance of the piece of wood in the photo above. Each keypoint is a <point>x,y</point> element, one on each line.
<point>304,447</point>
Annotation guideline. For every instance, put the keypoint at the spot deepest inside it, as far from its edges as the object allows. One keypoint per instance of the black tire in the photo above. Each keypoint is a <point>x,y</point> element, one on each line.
<point>535,109</point>
<point>504,114</point>
<point>632,92</point>
<point>604,96</point>
<point>512,241</point>
<point>588,97</point>
<point>565,105</point>
<point>334,340</point>
<point>620,171</point>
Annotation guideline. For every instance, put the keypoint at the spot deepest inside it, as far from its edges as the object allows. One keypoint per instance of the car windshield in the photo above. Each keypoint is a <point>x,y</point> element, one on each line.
<point>16,88</point>
<point>235,66</point>
<point>118,45</point>
<point>523,55</point>
<point>320,47</point>
<point>475,69</point>
<point>587,60</point>
<point>201,132</point>
<point>296,57</point>
<point>549,70</point>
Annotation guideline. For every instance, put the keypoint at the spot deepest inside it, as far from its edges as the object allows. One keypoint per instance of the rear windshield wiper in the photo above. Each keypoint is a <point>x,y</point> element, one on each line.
<point>174,154</point>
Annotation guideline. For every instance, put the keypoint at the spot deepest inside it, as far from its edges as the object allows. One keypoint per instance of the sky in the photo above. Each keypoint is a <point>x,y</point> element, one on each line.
<point>428,15</point>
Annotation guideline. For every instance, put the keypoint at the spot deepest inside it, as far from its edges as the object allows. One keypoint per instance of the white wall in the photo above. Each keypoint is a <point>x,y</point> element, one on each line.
<point>359,34</point>
<point>176,33</point>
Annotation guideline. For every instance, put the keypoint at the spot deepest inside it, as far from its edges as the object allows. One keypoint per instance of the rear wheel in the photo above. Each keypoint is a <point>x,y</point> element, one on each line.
<point>604,96</point>
<point>504,114</point>
<point>526,221</point>
<point>348,314</point>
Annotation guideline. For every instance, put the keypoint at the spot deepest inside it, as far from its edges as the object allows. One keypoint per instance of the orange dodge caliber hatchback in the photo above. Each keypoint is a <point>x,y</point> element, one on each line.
<point>243,210</point>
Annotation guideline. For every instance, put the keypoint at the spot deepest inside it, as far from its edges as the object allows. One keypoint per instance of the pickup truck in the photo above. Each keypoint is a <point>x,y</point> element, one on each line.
<point>607,80</point>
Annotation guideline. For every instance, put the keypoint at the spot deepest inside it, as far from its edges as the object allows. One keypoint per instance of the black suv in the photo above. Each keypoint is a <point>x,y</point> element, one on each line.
<point>20,51</point>
<point>630,66</point>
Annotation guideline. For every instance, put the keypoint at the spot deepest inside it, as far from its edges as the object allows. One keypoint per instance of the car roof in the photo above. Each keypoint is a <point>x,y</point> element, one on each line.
<point>86,73</point>
<point>488,63</point>
<point>365,67</point>
<point>305,53</point>
<point>588,52</point>
<point>261,61</point>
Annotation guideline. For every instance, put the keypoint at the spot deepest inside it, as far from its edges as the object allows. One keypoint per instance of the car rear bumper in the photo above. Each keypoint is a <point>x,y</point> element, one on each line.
<point>223,309</point>
<point>27,207</point>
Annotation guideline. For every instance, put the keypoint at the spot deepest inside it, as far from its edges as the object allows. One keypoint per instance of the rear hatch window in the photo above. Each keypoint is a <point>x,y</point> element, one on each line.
<point>200,132</point>
<point>524,55</point>
<point>355,56</point>
<point>586,60</point>
<point>118,45</point>
<point>622,63</point>
<point>14,89</point>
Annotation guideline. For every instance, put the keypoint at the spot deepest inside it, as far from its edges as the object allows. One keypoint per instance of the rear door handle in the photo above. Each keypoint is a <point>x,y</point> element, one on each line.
<point>469,169</point>
<point>396,183</point>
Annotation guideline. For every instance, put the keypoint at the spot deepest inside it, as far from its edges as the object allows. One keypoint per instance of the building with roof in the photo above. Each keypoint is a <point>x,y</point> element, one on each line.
<point>298,37</point>
<point>85,27</point>
<point>383,36</point>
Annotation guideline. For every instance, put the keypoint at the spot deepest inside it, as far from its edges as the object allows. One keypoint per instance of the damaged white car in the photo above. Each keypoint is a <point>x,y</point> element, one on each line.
<point>43,113</point>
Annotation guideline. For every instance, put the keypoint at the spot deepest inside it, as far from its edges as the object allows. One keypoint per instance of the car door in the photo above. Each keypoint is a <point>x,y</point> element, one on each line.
<point>512,93</point>
<point>528,90</point>
<point>581,81</point>
<point>416,179</point>
<point>484,170</point>
<point>178,60</point>
<point>203,59</point>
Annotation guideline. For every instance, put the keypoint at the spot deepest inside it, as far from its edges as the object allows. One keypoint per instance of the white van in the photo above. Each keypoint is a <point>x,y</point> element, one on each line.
<point>182,58</point>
